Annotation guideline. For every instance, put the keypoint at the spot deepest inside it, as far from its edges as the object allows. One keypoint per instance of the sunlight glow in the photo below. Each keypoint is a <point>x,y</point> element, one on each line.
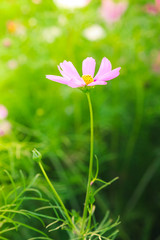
<point>71,4</point>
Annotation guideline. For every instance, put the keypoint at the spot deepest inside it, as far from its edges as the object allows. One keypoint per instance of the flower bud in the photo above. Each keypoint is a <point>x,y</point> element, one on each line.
<point>36,155</point>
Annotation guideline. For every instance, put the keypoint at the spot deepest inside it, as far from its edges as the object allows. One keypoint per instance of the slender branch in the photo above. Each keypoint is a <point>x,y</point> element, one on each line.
<point>90,164</point>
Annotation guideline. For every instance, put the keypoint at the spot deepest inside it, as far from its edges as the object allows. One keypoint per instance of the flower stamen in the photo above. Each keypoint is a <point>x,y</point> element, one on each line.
<point>87,79</point>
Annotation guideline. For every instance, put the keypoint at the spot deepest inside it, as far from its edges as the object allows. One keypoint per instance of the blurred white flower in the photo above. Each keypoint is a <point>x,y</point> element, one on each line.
<point>32,22</point>
<point>62,20</point>
<point>51,33</point>
<point>3,112</point>
<point>25,9</point>
<point>71,4</point>
<point>22,59</point>
<point>12,64</point>
<point>5,128</point>
<point>21,31</point>
<point>94,33</point>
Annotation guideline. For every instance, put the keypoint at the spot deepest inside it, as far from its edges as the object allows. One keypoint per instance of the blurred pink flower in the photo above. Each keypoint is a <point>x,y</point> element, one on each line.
<point>71,77</point>
<point>12,64</point>
<point>112,11</point>
<point>156,64</point>
<point>158,5</point>
<point>5,128</point>
<point>6,42</point>
<point>153,8</point>
<point>3,112</point>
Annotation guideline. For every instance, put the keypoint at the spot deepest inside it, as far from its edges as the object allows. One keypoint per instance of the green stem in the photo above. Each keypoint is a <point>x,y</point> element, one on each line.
<point>90,217</point>
<point>90,164</point>
<point>56,195</point>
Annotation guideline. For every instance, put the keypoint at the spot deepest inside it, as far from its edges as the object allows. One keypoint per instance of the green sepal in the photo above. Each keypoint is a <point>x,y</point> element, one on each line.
<point>86,89</point>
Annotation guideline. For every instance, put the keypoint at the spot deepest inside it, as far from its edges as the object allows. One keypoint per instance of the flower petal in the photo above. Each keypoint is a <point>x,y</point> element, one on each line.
<point>3,112</point>
<point>97,83</point>
<point>88,66</point>
<point>68,70</point>
<point>151,8</point>
<point>57,79</point>
<point>63,74</point>
<point>75,83</point>
<point>105,67</point>
<point>110,75</point>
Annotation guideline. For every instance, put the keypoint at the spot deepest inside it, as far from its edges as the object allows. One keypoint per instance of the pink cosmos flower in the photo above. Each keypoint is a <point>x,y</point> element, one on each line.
<point>3,112</point>
<point>5,128</point>
<point>71,77</point>
<point>153,8</point>
<point>112,11</point>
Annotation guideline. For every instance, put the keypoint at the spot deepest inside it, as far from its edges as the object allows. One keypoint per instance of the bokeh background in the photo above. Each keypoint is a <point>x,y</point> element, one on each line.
<point>35,36</point>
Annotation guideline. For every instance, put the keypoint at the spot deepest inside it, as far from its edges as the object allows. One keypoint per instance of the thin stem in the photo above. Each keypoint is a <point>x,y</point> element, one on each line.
<point>56,195</point>
<point>90,164</point>
<point>90,217</point>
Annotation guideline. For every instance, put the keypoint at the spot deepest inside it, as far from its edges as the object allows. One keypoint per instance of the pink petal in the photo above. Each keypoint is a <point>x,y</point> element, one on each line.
<point>88,66</point>
<point>112,11</point>
<point>97,83</point>
<point>3,112</point>
<point>152,9</point>
<point>75,83</point>
<point>104,68</point>
<point>62,73</point>
<point>68,70</point>
<point>158,4</point>
<point>57,79</point>
<point>110,75</point>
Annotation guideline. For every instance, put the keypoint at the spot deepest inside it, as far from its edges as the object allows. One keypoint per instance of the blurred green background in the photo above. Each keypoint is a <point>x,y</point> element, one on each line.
<point>35,36</point>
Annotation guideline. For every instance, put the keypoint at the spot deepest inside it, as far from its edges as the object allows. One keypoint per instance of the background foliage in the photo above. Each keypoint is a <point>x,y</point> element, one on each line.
<point>54,118</point>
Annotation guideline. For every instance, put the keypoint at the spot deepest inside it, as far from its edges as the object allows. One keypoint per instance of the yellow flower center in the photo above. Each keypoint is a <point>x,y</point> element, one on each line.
<point>87,79</point>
